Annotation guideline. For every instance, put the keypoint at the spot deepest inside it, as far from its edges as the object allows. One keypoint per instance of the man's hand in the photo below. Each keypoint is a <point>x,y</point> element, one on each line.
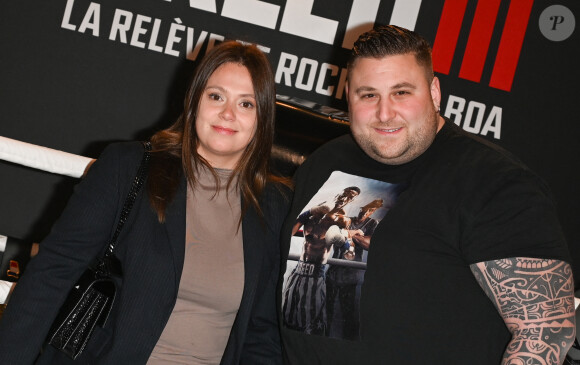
<point>355,232</point>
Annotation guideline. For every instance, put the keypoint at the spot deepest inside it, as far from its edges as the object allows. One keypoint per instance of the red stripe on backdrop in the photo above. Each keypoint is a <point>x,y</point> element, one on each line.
<point>510,45</point>
<point>479,39</point>
<point>447,34</point>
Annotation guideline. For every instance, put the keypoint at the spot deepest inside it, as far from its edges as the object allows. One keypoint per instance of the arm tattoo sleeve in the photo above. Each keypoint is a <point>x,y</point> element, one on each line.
<point>535,298</point>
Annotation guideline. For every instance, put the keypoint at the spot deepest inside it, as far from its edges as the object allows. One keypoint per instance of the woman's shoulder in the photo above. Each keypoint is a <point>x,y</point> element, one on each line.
<point>123,150</point>
<point>278,185</point>
<point>117,159</point>
<point>277,193</point>
<point>275,203</point>
<point>122,155</point>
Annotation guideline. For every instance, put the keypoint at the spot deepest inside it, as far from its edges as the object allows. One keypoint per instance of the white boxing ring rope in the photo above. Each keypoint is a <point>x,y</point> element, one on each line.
<point>54,161</point>
<point>43,158</point>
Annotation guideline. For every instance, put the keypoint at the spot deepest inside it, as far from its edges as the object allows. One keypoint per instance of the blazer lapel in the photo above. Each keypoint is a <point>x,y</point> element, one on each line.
<point>253,253</point>
<point>253,237</point>
<point>175,227</point>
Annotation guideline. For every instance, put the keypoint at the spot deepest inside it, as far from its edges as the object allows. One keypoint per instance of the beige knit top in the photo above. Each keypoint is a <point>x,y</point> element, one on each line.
<point>212,281</point>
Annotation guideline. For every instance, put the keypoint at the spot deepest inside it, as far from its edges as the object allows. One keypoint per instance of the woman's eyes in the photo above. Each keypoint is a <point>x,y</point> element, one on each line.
<point>247,104</point>
<point>214,96</point>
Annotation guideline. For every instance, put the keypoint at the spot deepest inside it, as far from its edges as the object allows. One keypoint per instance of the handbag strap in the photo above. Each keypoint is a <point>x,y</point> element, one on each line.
<point>130,200</point>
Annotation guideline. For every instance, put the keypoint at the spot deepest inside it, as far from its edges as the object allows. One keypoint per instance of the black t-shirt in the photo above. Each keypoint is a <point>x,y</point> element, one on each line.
<point>463,201</point>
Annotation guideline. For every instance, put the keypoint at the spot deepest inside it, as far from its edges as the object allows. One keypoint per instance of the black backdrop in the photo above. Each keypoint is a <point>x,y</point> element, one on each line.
<point>77,75</point>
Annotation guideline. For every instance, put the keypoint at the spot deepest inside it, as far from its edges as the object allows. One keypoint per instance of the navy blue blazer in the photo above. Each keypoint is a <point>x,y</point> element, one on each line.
<point>152,255</point>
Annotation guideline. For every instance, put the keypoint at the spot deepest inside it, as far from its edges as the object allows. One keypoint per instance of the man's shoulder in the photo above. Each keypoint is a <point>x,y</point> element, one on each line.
<point>320,209</point>
<point>484,164</point>
<point>478,151</point>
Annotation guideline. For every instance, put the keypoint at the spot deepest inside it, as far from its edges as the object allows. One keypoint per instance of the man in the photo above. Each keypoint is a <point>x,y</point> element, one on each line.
<point>470,265</point>
<point>307,278</point>
<point>343,282</point>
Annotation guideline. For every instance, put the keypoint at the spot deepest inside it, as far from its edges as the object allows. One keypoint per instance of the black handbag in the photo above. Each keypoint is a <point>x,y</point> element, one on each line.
<point>91,299</point>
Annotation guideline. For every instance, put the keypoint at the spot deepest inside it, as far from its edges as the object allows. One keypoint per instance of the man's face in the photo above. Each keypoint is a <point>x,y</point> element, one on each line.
<point>393,108</point>
<point>344,198</point>
<point>365,213</point>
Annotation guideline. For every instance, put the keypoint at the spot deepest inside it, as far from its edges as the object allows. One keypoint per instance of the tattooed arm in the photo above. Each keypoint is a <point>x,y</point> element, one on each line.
<point>535,298</point>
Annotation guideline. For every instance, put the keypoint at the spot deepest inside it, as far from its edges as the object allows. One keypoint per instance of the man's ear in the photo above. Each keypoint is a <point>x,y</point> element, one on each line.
<point>436,93</point>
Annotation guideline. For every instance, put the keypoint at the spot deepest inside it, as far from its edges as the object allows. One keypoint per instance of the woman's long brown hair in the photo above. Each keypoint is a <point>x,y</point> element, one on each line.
<point>175,148</point>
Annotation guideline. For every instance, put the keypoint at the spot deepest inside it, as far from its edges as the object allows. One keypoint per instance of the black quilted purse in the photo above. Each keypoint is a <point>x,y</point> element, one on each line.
<point>90,300</point>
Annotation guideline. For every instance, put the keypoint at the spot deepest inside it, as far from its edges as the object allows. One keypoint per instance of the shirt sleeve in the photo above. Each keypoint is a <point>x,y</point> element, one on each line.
<point>514,217</point>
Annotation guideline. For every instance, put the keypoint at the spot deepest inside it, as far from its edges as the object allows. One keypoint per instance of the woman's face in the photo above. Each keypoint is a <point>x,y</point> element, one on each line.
<point>226,116</point>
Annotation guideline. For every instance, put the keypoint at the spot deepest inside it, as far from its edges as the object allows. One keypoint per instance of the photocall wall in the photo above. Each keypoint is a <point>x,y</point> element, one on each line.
<point>77,74</point>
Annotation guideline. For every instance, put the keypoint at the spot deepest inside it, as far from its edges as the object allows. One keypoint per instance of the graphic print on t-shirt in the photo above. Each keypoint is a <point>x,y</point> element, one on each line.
<point>328,255</point>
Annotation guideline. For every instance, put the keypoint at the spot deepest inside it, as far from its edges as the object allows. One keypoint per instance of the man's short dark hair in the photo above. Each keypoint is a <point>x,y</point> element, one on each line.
<point>391,40</point>
<point>353,188</point>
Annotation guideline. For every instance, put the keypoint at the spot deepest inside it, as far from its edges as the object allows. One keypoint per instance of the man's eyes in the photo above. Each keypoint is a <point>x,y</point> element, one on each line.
<point>402,92</point>
<point>396,93</point>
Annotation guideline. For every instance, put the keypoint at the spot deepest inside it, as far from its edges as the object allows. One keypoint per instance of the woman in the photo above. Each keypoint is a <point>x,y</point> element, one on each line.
<point>199,251</point>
